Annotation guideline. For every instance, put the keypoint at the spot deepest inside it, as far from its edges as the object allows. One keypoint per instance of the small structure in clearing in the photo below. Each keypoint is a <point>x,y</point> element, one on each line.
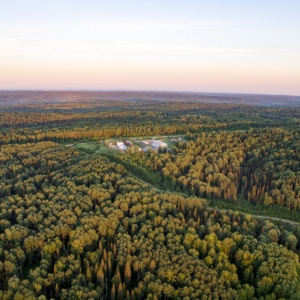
<point>176,139</point>
<point>121,146</point>
<point>128,143</point>
<point>158,144</point>
<point>117,146</point>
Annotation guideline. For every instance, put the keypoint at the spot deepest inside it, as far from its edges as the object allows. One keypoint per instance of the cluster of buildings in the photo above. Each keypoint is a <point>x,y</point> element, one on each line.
<point>153,145</point>
<point>146,145</point>
<point>120,145</point>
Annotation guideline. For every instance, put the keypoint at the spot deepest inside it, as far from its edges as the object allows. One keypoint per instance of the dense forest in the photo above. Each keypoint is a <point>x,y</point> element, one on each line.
<point>89,223</point>
<point>260,165</point>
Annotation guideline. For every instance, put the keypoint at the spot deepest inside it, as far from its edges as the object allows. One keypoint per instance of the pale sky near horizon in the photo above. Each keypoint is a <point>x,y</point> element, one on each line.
<point>205,46</point>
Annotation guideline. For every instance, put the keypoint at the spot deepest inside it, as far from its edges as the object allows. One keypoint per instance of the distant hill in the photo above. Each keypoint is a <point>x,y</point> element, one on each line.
<point>9,98</point>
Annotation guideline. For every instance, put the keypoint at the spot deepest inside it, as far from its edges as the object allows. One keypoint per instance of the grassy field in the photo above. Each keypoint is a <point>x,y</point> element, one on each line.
<point>92,147</point>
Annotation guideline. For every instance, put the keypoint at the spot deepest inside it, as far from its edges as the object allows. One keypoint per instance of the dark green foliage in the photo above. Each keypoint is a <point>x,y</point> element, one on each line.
<point>83,223</point>
<point>261,166</point>
<point>78,227</point>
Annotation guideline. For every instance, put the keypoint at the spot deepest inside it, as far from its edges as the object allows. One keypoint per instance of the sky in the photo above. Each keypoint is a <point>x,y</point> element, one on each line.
<point>201,46</point>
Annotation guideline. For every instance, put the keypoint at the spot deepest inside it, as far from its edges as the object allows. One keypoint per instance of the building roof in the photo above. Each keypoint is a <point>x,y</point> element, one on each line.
<point>158,143</point>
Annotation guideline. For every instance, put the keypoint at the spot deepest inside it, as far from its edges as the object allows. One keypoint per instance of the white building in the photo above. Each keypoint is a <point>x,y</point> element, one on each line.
<point>121,146</point>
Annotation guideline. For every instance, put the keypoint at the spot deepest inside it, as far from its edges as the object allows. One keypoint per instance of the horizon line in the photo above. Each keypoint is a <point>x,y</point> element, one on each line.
<point>145,91</point>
